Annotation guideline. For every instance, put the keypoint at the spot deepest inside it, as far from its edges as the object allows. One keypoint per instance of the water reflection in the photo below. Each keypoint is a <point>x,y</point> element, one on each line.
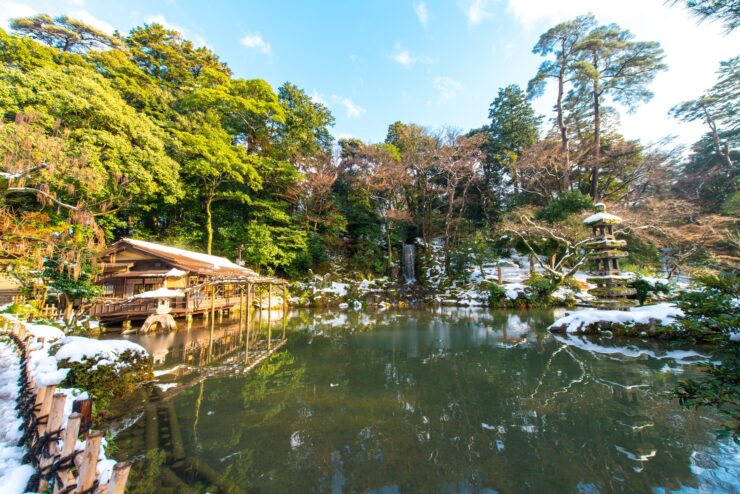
<point>432,401</point>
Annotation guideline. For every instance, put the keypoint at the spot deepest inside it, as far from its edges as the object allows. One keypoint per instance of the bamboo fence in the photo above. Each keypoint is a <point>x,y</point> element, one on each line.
<point>61,467</point>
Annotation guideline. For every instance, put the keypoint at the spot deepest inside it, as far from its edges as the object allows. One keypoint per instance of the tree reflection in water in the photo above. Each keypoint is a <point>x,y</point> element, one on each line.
<point>448,401</point>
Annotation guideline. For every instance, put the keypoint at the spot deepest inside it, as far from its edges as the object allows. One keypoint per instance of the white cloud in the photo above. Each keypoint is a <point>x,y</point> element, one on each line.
<point>256,42</point>
<point>353,110</point>
<point>477,10</point>
<point>420,9</point>
<point>76,3</point>
<point>693,52</point>
<point>447,88</point>
<point>404,57</point>
<point>90,19</point>
<point>11,10</point>
<point>317,97</point>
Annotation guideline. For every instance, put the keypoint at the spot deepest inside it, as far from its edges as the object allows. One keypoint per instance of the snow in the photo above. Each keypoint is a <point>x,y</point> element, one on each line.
<point>665,314</point>
<point>514,289</point>
<point>215,261</point>
<point>602,218</point>
<point>48,333</point>
<point>13,474</point>
<point>160,293</point>
<point>175,273</point>
<point>78,349</point>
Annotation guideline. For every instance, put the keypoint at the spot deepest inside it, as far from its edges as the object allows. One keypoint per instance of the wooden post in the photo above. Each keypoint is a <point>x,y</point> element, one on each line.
<point>249,319</point>
<point>241,311</point>
<point>47,393</point>
<point>259,329</point>
<point>56,414</point>
<point>500,271</point>
<point>89,464</point>
<point>269,316</point>
<point>285,309</point>
<point>84,408</point>
<point>213,320</point>
<point>118,479</point>
<point>70,441</point>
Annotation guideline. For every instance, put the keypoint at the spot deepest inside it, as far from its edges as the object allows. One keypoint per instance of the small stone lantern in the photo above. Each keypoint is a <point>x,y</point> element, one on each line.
<point>611,291</point>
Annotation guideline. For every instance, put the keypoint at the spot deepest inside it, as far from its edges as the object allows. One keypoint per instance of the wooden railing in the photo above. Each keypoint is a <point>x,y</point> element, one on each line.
<point>193,301</point>
<point>60,468</point>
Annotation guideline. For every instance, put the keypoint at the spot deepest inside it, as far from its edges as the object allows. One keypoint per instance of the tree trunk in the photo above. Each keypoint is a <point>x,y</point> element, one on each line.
<point>724,152</point>
<point>597,141</point>
<point>68,307</point>
<point>209,223</point>
<point>390,248</point>
<point>565,147</point>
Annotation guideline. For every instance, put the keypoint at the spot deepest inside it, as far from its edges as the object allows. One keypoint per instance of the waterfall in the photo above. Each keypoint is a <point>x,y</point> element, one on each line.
<point>408,263</point>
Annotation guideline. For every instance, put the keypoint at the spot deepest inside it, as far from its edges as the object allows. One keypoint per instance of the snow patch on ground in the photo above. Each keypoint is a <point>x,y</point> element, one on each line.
<point>13,474</point>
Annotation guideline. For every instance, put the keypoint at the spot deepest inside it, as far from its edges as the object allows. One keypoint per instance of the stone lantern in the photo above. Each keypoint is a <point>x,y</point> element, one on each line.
<point>611,291</point>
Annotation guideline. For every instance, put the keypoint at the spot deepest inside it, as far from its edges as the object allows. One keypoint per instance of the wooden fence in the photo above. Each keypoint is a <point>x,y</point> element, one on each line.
<point>60,467</point>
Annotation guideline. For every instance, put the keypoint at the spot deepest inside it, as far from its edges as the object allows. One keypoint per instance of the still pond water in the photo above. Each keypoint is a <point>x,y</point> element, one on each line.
<point>450,401</point>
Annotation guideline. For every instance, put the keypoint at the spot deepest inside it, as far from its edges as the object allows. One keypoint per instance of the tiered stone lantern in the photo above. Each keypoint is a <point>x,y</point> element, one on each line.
<point>611,291</point>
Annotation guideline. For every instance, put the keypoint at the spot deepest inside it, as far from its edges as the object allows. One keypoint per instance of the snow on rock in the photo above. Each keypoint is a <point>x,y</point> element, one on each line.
<point>513,290</point>
<point>664,314</point>
<point>13,474</point>
<point>602,217</point>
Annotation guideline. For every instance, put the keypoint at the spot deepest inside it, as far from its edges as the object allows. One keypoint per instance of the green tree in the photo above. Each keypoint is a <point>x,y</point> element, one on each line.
<point>725,11</point>
<point>64,33</point>
<point>211,162</point>
<point>165,55</point>
<point>562,43</point>
<point>610,64</point>
<point>305,131</point>
<point>513,128</point>
<point>719,108</point>
<point>260,249</point>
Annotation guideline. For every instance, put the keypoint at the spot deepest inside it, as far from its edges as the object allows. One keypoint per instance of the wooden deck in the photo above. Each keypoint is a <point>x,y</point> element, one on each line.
<point>197,300</point>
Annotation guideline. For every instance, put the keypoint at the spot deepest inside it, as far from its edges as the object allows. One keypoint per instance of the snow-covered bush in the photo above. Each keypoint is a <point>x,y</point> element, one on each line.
<point>104,368</point>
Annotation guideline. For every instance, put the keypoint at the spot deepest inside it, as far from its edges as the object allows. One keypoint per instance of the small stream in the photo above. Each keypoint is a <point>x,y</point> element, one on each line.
<point>435,400</point>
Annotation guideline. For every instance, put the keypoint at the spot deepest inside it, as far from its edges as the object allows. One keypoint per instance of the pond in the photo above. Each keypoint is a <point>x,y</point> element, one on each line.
<point>436,400</point>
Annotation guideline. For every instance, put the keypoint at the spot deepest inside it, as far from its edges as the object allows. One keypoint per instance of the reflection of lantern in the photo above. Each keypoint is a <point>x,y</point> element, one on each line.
<point>611,291</point>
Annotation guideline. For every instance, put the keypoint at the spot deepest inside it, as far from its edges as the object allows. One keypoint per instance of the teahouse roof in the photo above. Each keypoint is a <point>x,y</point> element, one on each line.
<point>189,261</point>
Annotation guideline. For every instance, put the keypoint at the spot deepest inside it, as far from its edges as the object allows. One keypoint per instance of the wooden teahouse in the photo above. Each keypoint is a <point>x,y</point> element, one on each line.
<point>141,278</point>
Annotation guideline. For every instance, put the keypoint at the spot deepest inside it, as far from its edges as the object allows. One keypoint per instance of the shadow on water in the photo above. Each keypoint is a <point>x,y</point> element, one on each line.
<point>448,400</point>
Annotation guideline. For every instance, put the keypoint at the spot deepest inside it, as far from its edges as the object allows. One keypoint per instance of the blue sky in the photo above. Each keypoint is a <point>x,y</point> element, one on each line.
<point>430,62</point>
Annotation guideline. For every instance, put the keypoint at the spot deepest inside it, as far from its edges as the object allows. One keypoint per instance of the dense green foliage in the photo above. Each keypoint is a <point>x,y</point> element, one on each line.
<point>149,136</point>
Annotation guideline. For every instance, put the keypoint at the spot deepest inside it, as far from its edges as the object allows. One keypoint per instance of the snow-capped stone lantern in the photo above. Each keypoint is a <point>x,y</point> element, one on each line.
<point>611,291</point>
